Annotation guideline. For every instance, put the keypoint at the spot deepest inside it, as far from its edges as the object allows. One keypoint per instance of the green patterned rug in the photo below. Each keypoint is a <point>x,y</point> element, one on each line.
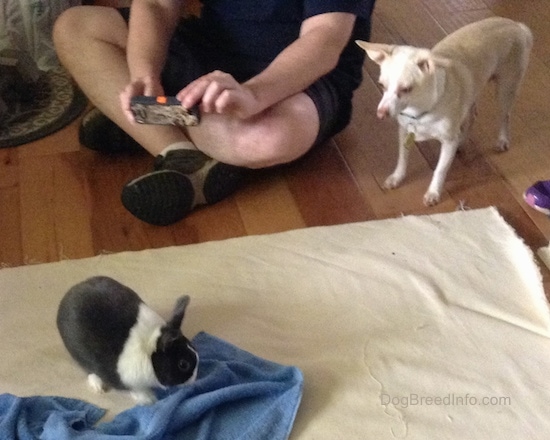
<point>56,102</point>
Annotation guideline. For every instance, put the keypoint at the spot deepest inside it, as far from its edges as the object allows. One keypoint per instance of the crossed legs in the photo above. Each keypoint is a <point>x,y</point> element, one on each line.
<point>91,43</point>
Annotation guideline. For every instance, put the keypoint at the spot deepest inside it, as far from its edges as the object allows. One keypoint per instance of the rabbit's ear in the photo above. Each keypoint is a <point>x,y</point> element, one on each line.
<point>168,336</point>
<point>179,312</point>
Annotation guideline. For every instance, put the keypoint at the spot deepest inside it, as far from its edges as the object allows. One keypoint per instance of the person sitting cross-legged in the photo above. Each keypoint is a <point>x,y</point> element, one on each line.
<point>271,79</point>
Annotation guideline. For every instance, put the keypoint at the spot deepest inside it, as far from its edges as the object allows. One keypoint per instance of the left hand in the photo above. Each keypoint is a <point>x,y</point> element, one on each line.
<point>146,86</point>
<point>218,92</point>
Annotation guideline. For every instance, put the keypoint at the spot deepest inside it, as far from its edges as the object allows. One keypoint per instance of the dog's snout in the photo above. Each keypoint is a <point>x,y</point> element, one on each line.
<point>386,105</point>
<point>382,112</point>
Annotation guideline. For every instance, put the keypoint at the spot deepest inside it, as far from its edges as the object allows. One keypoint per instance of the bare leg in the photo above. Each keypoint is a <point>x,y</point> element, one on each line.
<point>278,135</point>
<point>91,43</point>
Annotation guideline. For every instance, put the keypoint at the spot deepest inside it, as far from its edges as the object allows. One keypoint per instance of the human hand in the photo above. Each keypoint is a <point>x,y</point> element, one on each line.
<point>218,92</point>
<point>141,86</point>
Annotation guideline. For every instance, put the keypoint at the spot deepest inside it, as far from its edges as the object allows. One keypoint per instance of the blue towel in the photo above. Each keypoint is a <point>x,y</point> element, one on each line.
<point>237,396</point>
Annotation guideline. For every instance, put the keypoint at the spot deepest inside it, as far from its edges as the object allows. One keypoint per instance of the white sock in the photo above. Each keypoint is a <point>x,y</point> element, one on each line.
<point>183,145</point>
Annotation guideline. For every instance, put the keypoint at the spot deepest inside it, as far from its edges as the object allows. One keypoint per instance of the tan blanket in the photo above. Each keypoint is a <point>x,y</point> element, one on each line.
<point>430,327</point>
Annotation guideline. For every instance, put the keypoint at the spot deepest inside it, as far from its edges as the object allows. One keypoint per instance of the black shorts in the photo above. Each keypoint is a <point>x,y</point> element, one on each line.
<point>193,54</point>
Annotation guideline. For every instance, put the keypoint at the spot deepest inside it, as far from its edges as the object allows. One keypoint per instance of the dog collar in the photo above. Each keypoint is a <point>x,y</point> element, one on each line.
<point>415,118</point>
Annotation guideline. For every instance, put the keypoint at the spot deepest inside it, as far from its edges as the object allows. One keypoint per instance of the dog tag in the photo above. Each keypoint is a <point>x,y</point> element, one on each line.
<point>409,140</point>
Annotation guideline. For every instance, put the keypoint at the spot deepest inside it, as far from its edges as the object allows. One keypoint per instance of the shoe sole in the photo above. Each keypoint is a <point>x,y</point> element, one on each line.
<point>159,198</point>
<point>166,196</point>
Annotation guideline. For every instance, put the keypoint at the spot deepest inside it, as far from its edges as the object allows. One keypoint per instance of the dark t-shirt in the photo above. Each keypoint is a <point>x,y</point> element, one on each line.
<point>285,10</point>
<point>261,29</point>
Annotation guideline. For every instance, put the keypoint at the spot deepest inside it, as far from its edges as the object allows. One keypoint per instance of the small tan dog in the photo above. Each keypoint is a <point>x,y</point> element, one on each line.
<point>432,93</point>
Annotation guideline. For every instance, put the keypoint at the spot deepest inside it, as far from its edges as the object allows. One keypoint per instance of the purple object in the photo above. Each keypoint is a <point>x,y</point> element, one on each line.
<point>537,196</point>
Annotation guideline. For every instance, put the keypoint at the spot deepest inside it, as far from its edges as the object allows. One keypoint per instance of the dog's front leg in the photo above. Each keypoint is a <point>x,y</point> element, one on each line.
<point>395,178</point>
<point>446,156</point>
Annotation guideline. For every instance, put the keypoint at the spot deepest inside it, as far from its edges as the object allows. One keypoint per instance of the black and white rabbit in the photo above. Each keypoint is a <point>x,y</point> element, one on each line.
<point>121,342</point>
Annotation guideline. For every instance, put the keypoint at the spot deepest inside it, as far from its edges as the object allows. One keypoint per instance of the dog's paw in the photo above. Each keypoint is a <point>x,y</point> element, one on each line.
<point>393,181</point>
<point>502,145</point>
<point>431,198</point>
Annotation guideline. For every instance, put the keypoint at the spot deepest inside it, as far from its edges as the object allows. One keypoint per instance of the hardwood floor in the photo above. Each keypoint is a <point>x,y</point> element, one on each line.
<point>60,201</point>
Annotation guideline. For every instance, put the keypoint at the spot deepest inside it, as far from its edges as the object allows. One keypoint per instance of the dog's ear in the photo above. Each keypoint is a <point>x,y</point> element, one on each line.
<point>376,51</point>
<point>427,63</point>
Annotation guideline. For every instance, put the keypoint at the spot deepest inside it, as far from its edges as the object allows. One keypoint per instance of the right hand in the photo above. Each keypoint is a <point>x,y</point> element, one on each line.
<point>218,92</point>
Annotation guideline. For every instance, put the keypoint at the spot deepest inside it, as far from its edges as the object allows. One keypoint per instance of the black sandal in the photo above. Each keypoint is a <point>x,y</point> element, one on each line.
<point>97,132</point>
<point>183,180</point>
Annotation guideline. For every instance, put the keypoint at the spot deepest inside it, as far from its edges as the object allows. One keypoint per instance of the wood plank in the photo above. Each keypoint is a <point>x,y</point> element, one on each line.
<point>267,205</point>
<point>37,190</point>
<point>53,225</point>
<point>325,191</point>
<point>72,221</point>
<point>410,20</point>
<point>215,222</point>
<point>11,252</point>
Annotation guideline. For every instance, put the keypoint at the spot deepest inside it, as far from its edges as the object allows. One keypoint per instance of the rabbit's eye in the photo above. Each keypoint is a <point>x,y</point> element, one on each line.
<point>184,365</point>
